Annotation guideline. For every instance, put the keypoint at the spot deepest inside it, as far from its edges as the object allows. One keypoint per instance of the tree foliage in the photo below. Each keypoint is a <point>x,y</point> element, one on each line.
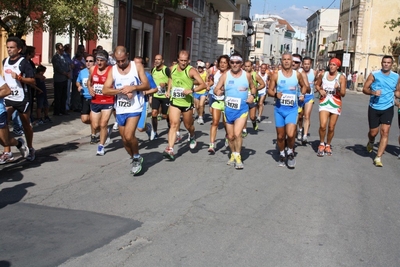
<point>87,18</point>
<point>393,23</point>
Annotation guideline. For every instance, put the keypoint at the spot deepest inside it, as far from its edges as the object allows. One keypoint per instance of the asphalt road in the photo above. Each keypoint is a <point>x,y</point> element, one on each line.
<point>71,208</point>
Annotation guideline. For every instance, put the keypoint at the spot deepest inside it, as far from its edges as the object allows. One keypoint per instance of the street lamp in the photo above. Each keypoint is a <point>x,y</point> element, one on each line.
<point>317,37</point>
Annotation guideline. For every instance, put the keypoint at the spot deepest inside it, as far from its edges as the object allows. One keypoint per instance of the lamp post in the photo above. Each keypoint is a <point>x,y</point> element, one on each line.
<point>317,37</point>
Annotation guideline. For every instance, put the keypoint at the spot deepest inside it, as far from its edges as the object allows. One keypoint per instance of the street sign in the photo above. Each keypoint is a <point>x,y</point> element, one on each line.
<point>346,60</point>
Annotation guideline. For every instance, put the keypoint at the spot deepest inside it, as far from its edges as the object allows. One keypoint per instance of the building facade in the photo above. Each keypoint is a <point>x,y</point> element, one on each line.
<point>362,34</point>
<point>320,25</point>
<point>273,36</point>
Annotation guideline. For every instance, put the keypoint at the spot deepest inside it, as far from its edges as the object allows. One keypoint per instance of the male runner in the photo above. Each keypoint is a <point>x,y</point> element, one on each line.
<point>284,87</point>
<point>101,106</point>
<point>17,74</point>
<point>259,83</point>
<point>5,139</point>
<point>161,74</point>
<point>382,85</point>
<point>180,89</point>
<point>234,84</point>
<point>127,80</point>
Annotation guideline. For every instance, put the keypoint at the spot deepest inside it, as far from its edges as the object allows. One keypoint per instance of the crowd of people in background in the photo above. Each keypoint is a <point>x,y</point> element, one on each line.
<point>101,85</point>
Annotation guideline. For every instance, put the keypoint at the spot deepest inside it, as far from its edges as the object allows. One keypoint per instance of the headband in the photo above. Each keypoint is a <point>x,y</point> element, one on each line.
<point>336,61</point>
<point>101,57</point>
<point>238,58</point>
<point>296,59</point>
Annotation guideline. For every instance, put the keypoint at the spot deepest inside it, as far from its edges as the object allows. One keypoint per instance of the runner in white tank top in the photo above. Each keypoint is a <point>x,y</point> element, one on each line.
<point>127,80</point>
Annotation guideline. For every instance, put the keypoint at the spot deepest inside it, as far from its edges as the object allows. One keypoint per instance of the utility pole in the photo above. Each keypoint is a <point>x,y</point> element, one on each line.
<point>128,27</point>
<point>348,38</point>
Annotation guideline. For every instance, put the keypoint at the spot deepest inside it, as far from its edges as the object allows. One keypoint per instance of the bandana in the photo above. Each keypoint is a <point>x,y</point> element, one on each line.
<point>336,61</point>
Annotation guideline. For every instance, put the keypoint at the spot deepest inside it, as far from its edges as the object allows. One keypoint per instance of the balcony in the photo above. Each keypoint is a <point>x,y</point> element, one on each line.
<point>239,28</point>
<point>223,5</point>
<point>341,46</point>
<point>190,8</point>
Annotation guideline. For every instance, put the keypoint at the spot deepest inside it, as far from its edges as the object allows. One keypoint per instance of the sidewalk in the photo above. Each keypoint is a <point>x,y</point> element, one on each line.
<point>53,137</point>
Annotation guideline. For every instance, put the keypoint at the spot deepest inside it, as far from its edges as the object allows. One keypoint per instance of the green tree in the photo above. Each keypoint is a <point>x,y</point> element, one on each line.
<point>87,18</point>
<point>392,24</point>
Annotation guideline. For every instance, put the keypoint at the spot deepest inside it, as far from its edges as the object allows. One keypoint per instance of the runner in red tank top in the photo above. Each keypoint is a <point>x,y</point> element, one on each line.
<point>102,105</point>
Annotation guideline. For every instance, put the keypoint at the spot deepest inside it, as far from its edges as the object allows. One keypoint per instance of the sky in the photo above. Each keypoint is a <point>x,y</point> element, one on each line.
<point>291,10</point>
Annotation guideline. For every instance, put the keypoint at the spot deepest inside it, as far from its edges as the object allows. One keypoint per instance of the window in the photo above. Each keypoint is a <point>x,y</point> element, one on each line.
<point>167,52</point>
<point>258,44</point>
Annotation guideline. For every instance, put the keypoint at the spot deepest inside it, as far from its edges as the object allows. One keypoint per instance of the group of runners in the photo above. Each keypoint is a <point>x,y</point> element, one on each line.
<point>235,91</point>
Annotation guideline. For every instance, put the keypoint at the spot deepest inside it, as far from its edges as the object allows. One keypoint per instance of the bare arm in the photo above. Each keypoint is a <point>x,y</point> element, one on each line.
<point>304,85</point>
<point>4,90</point>
<point>272,85</point>
<point>196,76</point>
<point>143,79</point>
<point>253,88</point>
<point>397,92</point>
<point>260,81</point>
<point>342,82</point>
<point>367,86</point>
<point>318,86</point>
<point>305,80</point>
<point>219,90</point>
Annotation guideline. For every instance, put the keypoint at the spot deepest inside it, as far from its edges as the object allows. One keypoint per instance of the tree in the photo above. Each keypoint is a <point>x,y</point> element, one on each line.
<point>87,18</point>
<point>392,24</point>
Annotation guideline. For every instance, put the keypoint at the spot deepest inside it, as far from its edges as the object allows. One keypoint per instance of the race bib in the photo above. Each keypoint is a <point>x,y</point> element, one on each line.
<point>330,90</point>
<point>98,89</point>
<point>161,90</point>
<point>233,102</point>
<point>288,100</point>
<point>15,91</point>
<point>124,102</point>
<point>177,92</point>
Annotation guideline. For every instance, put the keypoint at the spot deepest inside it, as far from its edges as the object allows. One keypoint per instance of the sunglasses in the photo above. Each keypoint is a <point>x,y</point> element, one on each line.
<point>296,62</point>
<point>89,60</point>
<point>235,62</point>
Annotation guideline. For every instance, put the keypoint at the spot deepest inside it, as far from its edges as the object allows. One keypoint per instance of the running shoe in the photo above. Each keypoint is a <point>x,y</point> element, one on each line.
<point>321,151</point>
<point>398,156</point>
<point>291,162</point>
<point>282,160</point>
<point>6,157</point>
<point>136,165</point>
<point>255,125</point>
<point>231,161</point>
<point>299,135</point>
<point>115,126</point>
<point>93,139</point>
<point>47,120</point>
<point>169,154</point>
<point>378,162</point>
<point>238,164</point>
<point>32,154</point>
<point>370,147</point>
<point>200,121</point>
<point>100,150</point>
<point>149,129</point>
<point>159,117</point>
<point>244,134</point>
<point>211,149</point>
<point>258,119</point>
<point>328,150</point>
<point>192,143</point>
<point>23,149</point>
<point>226,142</point>
<point>304,141</point>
